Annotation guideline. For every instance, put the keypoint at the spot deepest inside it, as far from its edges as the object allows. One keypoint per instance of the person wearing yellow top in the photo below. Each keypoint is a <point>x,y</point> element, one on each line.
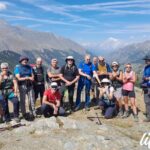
<point>104,70</point>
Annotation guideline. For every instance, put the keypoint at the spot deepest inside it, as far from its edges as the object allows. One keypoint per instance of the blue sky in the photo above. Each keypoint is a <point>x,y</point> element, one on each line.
<point>84,21</point>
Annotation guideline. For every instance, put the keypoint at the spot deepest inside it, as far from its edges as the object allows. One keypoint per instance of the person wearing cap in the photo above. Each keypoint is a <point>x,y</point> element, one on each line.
<point>51,101</point>
<point>146,86</point>
<point>53,72</point>
<point>107,101</point>
<point>104,70</point>
<point>117,82</point>
<point>129,79</point>
<point>69,75</point>
<point>25,77</point>
<point>86,71</point>
<point>39,85</point>
<point>9,91</point>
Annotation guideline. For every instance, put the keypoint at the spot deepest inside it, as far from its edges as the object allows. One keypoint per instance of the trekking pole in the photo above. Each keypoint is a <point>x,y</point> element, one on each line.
<point>99,122</point>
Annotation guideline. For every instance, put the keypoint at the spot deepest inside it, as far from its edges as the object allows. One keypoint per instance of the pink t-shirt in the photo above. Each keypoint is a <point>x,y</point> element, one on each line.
<point>129,86</point>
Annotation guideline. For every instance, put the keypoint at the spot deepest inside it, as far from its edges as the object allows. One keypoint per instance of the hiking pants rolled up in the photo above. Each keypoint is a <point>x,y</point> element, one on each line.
<point>48,110</point>
<point>70,89</point>
<point>147,101</point>
<point>31,100</point>
<point>39,89</point>
<point>87,83</point>
<point>109,110</point>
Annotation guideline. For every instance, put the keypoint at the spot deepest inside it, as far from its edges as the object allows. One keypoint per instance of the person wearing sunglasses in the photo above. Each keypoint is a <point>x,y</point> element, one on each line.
<point>129,79</point>
<point>146,87</point>
<point>69,75</point>
<point>107,101</point>
<point>51,101</point>
<point>9,91</point>
<point>117,82</point>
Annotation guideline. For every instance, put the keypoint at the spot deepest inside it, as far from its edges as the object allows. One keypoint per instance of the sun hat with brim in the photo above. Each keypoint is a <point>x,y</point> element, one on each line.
<point>105,80</point>
<point>70,57</point>
<point>114,63</point>
<point>23,58</point>
<point>147,57</point>
<point>4,65</point>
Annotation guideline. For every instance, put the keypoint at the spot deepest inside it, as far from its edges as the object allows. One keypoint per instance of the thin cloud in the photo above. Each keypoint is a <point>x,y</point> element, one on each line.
<point>47,21</point>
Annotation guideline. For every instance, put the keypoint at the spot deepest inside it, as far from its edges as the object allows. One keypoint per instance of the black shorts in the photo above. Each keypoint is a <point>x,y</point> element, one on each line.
<point>128,93</point>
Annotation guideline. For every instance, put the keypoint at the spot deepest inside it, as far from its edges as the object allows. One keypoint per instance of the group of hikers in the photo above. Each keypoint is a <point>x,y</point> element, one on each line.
<point>111,88</point>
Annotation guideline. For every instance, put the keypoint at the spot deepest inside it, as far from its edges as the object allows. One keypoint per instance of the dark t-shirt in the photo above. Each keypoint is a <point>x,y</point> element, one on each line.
<point>69,73</point>
<point>38,74</point>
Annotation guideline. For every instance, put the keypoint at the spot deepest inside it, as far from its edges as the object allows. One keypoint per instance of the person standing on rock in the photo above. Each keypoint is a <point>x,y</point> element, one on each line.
<point>146,87</point>
<point>69,74</point>
<point>25,77</point>
<point>51,101</point>
<point>94,80</point>
<point>129,79</point>
<point>104,70</point>
<point>39,85</point>
<point>86,71</point>
<point>53,72</point>
<point>117,82</point>
<point>9,91</point>
<point>107,101</point>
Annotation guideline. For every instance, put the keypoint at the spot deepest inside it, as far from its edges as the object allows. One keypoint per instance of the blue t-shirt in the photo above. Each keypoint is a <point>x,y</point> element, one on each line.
<point>23,71</point>
<point>87,68</point>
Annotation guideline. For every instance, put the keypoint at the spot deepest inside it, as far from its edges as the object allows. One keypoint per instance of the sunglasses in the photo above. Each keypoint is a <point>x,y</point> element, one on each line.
<point>114,66</point>
<point>70,59</point>
<point>128,67</point>
<point>54,87</point>
<point>4,68</point>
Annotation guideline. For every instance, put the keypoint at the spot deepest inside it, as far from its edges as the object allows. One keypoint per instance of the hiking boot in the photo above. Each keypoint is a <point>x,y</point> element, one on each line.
<point>136,118</point>
<point>126,114</point>
<point>77,108</point>
<point>17,119</point>
<point>120,113</point>
<point>87,109</point>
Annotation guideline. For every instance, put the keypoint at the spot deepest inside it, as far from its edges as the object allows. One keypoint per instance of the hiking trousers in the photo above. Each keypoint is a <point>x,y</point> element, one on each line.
<point>87,83</point>
<point>24,90</point>
<point>48,110</point>
<point>39,89</point>
<point>70,89</point>
<point>147,101</point>
<point>5,107</point>
<point>108,110</point>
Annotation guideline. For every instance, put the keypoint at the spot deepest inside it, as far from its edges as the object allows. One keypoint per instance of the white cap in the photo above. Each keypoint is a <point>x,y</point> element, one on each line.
<point>4,65</point>
<point>39,59</point>
<point>115,63</point>
<point>54,84</point>
<point>70,57</point>
<point>105,80</point>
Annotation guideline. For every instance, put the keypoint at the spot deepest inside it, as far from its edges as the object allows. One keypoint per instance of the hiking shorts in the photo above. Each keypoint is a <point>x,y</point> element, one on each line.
<point>118,93</point>
<point>131,94</point>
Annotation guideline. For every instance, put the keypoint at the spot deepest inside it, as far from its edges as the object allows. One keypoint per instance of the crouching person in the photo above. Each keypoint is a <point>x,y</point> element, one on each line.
<point>107,100</point>
<point>51,102</point>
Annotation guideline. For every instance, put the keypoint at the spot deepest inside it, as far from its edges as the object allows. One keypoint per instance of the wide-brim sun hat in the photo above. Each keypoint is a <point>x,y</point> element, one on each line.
<point>105,80</point>
<point>23,58</point>
<point>69,57</point>
<point>147,57</point>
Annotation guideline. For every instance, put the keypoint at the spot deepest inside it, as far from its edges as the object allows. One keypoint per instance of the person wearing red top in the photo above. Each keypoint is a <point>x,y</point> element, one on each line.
<point>51,101</point>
